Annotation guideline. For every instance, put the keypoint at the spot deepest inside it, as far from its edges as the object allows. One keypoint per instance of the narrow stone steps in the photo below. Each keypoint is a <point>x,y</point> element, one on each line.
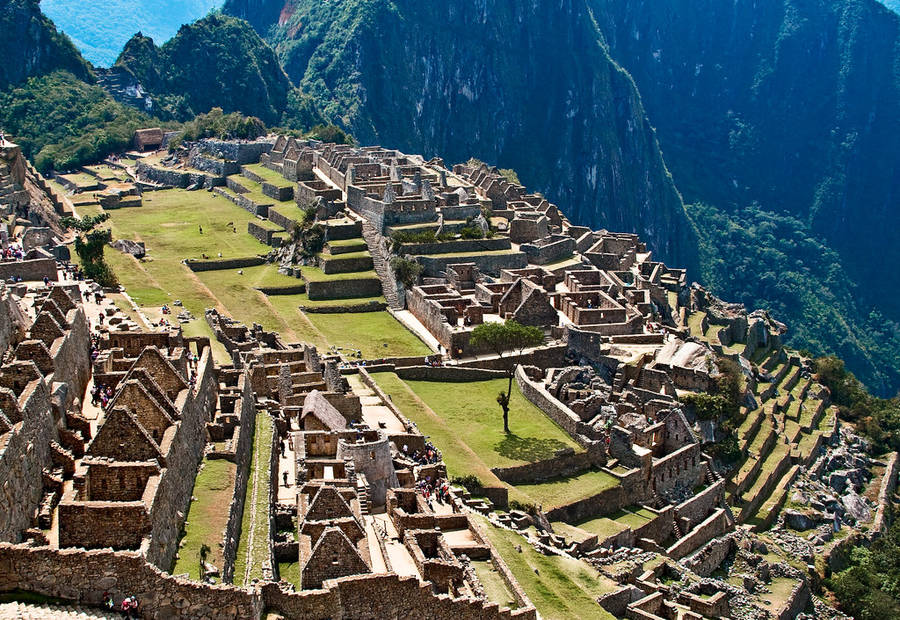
<point>381,266</point>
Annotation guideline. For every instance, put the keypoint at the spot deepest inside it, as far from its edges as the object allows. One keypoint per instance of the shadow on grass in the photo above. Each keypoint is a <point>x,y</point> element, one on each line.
<point>529,449</point>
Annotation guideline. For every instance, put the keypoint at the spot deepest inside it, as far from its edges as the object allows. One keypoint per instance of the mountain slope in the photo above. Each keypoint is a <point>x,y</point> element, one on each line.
<point>216,61</point>
<point>479,78</point>
<point>791,104</point>
<point>100,29</point>
<point>30,45</point>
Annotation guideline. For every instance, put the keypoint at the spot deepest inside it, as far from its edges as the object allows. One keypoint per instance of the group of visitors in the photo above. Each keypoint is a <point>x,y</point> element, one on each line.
<point>130,606</point>
<point>13,252</point>
<point>428,456</point>
<point>439,489</point>
<point>101,395</point>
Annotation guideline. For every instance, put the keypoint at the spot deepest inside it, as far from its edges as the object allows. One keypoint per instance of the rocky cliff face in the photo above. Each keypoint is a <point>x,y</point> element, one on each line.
<point>30,45</point>
<point>794,105</point>
<point>524,85</point>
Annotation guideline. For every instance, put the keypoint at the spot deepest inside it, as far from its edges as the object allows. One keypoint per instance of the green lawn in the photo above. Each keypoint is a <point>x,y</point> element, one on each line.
<point>558,587</point>
<point>314,274</point>
<point>255,523</point>
<point>369,332</point>
<point>495,588</point>
<point>169,223</point>
<point>206,518</point>
<point>290,572</point>
<point>567,489</point>
<point>269,176</point>
<point>464,421</point>
<point>471,410</point>
<point>254,191</point>
<point>343,243</point>
<point>603,527</point>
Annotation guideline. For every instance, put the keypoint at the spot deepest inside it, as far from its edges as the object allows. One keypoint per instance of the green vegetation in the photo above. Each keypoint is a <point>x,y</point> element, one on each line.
<point>501,337</point>
<point>31,46</point>
<point>375,334</point>
<point>253,548</point>
<point>407,271</point>
<point>495,588</point>
<point>217,124</point>
<point>870,588</point>
<point>775,262</point>
<point>567,489</point>
<point>510,175</point>
<point>206,520</point>
<point>559,587</point>
<point>461,422</point>
<point>878,418</point>
<point>62,122</point>
<point>89,246</point>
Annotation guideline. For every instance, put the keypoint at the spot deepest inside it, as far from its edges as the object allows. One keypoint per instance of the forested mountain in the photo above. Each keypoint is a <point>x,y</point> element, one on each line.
<point>218,61</point>
<point>30,45</point>
<point>771,115</point>
<point>100,29</point>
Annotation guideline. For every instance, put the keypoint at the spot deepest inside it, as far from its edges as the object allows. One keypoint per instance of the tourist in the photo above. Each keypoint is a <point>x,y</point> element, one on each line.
<point>284,475</point>
<point>108,601</point>
<point>201,229</point>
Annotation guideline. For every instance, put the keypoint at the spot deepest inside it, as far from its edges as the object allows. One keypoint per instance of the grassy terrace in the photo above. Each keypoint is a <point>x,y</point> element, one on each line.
<point>358,242</point>
<point>559,587</point>
<point>206,519</point>
<point>253,548</point>
<point>254,191</point>
<point>169,223</point>
<point>495,588</point>
<point>476,254</point>
<point>290,210</point>
<point>464,421</point>
<point>314,274</point>
<point>270,176</point>
<point>81,179</point>
<point>567,489</point>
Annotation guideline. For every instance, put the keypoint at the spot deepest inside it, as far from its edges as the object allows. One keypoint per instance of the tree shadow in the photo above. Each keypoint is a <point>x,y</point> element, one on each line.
<point>529,449</point>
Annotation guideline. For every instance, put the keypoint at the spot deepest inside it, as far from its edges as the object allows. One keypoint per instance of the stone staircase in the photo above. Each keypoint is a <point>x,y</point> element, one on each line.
<point>43,611</point>
<point>381,260</point>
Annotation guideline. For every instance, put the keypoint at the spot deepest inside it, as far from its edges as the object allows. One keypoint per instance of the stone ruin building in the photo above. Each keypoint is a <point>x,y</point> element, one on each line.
<point>95,497</point>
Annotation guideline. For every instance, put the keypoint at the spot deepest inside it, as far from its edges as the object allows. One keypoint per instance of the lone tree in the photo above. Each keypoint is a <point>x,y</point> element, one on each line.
<point>89,245</point>
<point>502,337</point>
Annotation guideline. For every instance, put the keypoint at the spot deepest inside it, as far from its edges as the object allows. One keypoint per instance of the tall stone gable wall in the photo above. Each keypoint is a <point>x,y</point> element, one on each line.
<point>242,475</point>
<point>71,364</point>
<point>174,494</point>
<point>24,457</point>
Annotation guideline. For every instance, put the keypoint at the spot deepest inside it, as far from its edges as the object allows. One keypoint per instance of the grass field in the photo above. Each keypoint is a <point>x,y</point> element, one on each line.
<point>464,421</point>
<point>169,223</point>
<point>206,519</point>
<point>495,588</point>
<point>567,489</point>
<point>269,176</point>
<point>255,523</point>
<point>559,587</point>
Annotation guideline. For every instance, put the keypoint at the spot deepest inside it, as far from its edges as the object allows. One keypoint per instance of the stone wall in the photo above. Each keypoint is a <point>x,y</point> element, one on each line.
<point>30,270</point>
<point>487,263</point>
<point>705,560</point>
<point>197,265</point>
<point>459,245</point>
<point>263,233</point>
<point>174,494</point>
<point>716,524</point>
<point>239,151</point>
<point>338,264</point>
<point>448,374</point>
<point>242,201</point>
<point>242,452</point>
<point>343,289</point>
<point>556,410</point>
<point>25,455</point>
<point>888,484</point>
<point>70,361</point>
<point>563,465</point>
<point>177,178</point>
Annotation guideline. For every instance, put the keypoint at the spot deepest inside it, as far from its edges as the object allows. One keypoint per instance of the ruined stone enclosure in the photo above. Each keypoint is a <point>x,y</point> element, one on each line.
<point>209,463</point>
